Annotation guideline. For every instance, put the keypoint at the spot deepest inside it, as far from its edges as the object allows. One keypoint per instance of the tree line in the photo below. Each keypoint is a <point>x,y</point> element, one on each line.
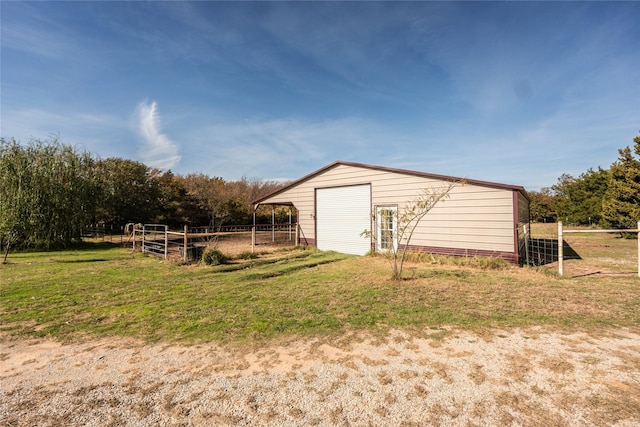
<point>609,198</point>
<point>50,191</point>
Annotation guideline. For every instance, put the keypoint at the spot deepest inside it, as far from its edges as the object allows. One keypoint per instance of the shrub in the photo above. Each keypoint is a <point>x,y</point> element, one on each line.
<point>213,256</point>
<point>247,255</point>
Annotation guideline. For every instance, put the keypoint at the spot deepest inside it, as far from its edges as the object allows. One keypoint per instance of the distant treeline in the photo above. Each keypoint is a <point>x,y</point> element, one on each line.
<point>606,197</point>
<point>50,191</point>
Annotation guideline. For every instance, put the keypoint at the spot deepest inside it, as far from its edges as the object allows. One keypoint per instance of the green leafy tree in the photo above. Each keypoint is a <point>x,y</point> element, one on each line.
<point>129,191</point>
<point>621,204</point>
<point>207,194</point>
<point>47,193</point>
<point>176,206</point>
<point>15,186</point>
<point>542,205</point>
<point>579,200</point>
<point>562,193</point>
<point>590,190</point>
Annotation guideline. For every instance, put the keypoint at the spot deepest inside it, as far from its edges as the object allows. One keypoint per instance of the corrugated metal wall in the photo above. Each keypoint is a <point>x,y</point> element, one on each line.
<point>475,217</point>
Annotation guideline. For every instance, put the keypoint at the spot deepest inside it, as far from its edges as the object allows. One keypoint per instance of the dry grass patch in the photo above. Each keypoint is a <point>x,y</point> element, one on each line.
<point>518,368</point>
<point>621,403</point>
<point>477,374</point>
<point>557,364</point>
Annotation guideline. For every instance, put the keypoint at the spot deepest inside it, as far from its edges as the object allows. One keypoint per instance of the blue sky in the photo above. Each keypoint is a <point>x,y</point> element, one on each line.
<point>510,92</point>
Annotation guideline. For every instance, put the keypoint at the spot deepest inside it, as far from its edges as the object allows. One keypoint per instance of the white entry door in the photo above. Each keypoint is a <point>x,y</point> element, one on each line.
<point>342,214</point>
<point>386,228</point>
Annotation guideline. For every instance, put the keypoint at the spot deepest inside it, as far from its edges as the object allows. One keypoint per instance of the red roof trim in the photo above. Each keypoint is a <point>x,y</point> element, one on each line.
<point>388,169</point>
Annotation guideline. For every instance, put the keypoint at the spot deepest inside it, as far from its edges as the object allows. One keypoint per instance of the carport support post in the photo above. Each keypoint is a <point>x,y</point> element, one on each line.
<point>253,231</point>
<point>273,223</point>
<point>560,248</point>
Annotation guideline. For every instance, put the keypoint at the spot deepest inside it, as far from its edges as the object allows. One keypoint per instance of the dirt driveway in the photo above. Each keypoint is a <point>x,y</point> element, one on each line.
<point>505,378</point>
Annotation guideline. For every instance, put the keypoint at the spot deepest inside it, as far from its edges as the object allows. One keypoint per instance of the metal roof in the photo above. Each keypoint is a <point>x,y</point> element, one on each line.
<point>394,170</point>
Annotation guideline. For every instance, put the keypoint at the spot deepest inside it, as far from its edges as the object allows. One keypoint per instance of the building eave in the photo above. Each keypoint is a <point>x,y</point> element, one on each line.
<point>393,170</point>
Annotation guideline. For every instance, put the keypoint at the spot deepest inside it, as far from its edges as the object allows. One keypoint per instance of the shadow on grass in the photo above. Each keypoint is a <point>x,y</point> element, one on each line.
<point>606,273</point>
<point>288,270</point>
<point>79,247</point>
<point>545,251</point>
<point>94,246</point>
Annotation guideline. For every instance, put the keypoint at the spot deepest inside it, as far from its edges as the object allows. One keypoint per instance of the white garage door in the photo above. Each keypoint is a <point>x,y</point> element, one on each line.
<point>342,214</point>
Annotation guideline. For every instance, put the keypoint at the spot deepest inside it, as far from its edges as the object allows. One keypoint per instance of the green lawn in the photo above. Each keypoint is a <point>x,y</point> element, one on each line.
<point>104,290</point>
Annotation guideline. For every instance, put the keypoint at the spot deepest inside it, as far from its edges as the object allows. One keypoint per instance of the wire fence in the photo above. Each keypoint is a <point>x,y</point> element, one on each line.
<point>597,249</point>
<point>542,251</point>
<point>545,250</point>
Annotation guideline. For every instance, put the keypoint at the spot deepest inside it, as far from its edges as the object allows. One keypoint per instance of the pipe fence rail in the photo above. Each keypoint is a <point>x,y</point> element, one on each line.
<point>109,233</point>
<point>189,244</point>
<point>561,245</point>
<point>547,250</point>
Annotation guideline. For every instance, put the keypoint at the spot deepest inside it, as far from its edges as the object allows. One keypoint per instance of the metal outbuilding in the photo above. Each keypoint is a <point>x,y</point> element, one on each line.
<point>336,203</point>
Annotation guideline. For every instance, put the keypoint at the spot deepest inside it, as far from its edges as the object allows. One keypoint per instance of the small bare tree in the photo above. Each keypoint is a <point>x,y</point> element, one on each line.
<point>407,220</point>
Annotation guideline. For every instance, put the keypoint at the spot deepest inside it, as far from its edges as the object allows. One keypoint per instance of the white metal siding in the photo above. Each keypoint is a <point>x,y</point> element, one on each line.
<point>473,217</point>
<point>342,214</point>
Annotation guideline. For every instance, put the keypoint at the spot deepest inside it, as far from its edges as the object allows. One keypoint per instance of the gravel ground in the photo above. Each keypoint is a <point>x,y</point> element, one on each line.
<point>531,377</point>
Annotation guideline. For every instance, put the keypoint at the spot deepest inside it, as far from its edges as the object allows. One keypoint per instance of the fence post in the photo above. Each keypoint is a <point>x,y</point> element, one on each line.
<point>560,248</point>
<point>144,232</point>
<point>134,239</point>
<point>526,244</point>
<point>166,241</point>
<point>186,242</point>
<point>638,230</point>
<point>290,223</point>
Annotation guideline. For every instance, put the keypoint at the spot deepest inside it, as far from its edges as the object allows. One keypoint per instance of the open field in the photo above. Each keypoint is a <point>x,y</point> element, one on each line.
<point>100,336</point>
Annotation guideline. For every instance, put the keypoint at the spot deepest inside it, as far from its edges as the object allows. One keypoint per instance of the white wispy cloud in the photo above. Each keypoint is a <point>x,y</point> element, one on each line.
<point>280,148</point>
<point>157,150</point>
